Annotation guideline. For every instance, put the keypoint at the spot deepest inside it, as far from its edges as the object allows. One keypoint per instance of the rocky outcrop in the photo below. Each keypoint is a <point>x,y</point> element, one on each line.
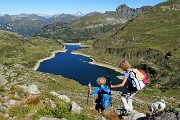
<point>128,13</point>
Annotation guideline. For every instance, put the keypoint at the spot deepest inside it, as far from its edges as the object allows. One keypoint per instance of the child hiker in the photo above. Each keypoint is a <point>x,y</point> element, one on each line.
<point>104,96</point>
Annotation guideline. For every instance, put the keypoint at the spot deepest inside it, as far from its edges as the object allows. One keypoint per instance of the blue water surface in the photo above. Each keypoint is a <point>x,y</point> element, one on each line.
<point>77,67</point>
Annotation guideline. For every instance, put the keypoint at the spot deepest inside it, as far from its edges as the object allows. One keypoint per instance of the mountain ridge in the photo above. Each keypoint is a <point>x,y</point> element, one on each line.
<point>31,24</point>
<point>91,25</point>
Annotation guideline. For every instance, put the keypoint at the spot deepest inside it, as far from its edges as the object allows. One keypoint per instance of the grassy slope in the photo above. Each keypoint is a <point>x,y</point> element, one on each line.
<point>16,49</point>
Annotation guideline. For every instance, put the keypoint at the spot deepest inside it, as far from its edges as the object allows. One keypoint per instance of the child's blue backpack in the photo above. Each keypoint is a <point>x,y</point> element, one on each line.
<point>104,96</point>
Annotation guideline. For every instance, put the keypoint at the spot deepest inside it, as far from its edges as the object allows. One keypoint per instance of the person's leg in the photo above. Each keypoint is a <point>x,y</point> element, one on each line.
<point>124,101</point>
<point>130,99</point>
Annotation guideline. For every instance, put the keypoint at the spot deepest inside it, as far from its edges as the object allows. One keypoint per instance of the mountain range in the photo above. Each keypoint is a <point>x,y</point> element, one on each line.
<point>92,24</point>
<point>30,24</point>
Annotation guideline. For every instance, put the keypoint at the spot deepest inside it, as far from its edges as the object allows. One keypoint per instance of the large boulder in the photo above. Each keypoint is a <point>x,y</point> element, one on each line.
<point>75,108</point>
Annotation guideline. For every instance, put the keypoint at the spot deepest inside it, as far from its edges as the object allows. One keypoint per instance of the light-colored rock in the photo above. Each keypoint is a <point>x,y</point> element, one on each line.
<point>6,115</point>
<point>1,108</point>
<point>16,95</point>
<point>138,115</point>
<point>3,80</point>
<point>18,66</point>
<point>11,102</point>
<point>75,108</point>
<point>134,116</point>
<point>62,97</point>
<point>50,102</point>
<point>100,117</point>
<point>24,88</point>
<point>44,118</point>
<point>63,119</point>
<point>33,89</point>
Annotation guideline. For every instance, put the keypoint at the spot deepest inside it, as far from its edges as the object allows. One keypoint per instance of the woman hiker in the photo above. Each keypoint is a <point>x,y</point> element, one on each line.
<point>127,94</point>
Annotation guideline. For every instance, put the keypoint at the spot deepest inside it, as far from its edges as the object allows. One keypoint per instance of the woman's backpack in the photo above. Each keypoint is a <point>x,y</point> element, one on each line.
<point>135,80</point>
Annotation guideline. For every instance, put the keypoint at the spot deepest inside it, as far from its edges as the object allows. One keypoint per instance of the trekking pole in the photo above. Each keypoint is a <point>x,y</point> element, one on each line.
<point>109,82</point>
<point>88,93</point>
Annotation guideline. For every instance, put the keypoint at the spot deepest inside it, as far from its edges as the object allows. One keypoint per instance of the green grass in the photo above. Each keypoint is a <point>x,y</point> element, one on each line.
<point>15,49</point>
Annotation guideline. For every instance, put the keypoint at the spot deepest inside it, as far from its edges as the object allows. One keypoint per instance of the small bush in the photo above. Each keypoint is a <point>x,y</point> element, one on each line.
<point>33,100</point>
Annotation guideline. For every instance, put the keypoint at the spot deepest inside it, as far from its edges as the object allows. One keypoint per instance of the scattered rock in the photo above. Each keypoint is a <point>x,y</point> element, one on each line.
<point>138,115</point>
<point>100,117</point>
<point>170,114</point>
<point>1,108</point>
<point>18,66</point>
<point>44,118</point>
<point>6,115</point>
<point>11,102</point>
<point>32,89</point>
<point>50,102</point>
<point>75,108</point>
<point>24,77</point>
<point>24,88</point>
<point>62,97</point>
<point>16,95</point>
<point>3,79</point>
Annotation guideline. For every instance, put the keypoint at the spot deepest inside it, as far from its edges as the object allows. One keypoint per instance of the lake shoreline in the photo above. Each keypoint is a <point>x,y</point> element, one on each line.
<point>47,58</point>
<point>99,64</point>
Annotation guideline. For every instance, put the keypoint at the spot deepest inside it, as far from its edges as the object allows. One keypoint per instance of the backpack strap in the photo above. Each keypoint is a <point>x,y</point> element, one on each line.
<point>102,91</point>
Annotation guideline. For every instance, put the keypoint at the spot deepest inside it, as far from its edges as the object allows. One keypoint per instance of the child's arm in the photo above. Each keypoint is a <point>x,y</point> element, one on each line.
<point>95,91</point>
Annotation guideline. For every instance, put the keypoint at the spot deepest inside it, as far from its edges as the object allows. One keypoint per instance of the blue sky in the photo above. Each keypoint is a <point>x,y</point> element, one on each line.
<point>68,6</point>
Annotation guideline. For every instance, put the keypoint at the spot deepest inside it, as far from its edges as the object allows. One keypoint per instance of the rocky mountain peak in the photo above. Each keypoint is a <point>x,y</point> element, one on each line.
<point>128,13</point>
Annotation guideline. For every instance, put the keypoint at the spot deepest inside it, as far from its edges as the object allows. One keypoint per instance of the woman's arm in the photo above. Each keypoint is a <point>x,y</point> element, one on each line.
<point>120,85</point>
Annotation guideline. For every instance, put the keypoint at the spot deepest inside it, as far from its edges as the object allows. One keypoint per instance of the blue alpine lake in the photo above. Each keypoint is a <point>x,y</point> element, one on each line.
<point>77,67</point>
